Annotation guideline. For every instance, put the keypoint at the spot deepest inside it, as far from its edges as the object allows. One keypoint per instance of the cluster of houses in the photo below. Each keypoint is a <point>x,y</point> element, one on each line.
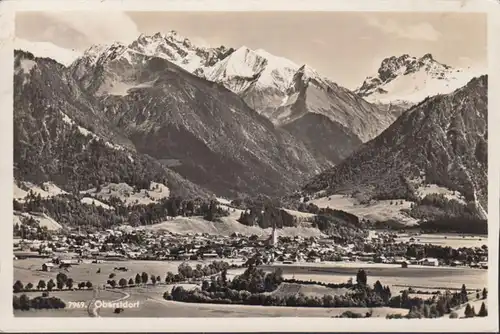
<point>140,244</point>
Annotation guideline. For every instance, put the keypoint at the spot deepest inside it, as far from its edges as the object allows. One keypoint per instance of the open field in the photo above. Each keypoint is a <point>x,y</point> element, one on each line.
<point>392,275</point>
<point>376,211</point>
<point>451,240</point>
<point>227,226</point>
<point>289,289</point>
<point>153,305</point>
<point>476,304</point>
<point>28,270</point>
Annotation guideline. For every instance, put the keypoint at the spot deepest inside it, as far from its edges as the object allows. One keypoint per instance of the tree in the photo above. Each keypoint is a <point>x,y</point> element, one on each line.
<point>61,277</point>
<point>41,285</point>
<point>153,279</point>
<point>361,277</point>
<point>29,286</point>
<point>131,282</point>
<point>88,285</point>
<point>112,283</point>
<point>138,279</point>
<point>69,283</point>
<point>24,302</point>
<point>169,278</point>
<point>50,285</point>
<point>18,286</point>
<point>485,293</point>
<point>122,282</point>
<point>144,277</point>
<point>81,285</point>
<point>60,285</point>
<point>463,292</point>
<point>469,313</point>
<point>483,312</point>
<point>158,279</point>
<point>112,275</point>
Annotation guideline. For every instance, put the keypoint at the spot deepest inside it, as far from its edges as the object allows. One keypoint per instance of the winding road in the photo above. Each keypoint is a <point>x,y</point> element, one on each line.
<point>93,309</point>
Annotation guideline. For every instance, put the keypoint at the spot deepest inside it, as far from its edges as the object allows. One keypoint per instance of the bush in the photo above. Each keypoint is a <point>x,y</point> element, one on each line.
<point>453,315</point>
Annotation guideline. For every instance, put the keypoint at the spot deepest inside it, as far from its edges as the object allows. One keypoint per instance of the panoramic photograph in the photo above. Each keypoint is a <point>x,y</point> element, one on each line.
<point>250,164</point>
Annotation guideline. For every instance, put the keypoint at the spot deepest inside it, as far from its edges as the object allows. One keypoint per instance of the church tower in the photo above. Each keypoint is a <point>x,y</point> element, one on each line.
<point>273,240</point>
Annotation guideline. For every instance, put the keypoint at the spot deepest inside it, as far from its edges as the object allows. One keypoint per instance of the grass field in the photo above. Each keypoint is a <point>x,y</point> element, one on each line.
<point>392,275</point>
<point>226,227</point>
<point>450,240</point>
<point>28,270</point>
<point>376,211</point>
<point>153,305</point>
<point>289,289</point>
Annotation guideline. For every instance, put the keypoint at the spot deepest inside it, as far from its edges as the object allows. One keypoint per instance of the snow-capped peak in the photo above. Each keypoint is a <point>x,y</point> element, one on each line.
<point>410,80</point>
<point>245,67</point>
<point>171,46</point>
<point>47,50</point>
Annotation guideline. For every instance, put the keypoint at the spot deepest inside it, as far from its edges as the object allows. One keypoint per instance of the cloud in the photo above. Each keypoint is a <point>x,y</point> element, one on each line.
<point>94,27</point>
<point>422,31</point>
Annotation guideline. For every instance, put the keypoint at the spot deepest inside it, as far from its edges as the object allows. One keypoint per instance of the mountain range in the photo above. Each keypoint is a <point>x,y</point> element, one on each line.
<point>442,140</point>
<point>408,80</point>
<point>228,121</point>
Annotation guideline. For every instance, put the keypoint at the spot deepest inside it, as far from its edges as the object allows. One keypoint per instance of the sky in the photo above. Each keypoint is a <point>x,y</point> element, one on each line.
<point>346,47</point>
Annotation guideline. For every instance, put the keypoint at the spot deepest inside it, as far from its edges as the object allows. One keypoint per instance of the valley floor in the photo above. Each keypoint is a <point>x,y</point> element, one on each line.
<point>152,304</point>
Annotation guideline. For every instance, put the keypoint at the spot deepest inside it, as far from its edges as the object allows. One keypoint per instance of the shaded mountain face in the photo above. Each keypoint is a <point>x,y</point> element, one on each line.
<point>216,140</point>
<point>442,140</point>
<point>275,87</point>
<point>284,91</point>
<point>61,136</point>
<point>408,80</point>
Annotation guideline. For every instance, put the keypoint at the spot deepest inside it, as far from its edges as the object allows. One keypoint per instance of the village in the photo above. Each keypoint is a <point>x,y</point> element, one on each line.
<point>124,243</point>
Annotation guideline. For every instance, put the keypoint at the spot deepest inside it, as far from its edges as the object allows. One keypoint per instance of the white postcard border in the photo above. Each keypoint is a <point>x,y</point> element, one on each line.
<point>9,323</point>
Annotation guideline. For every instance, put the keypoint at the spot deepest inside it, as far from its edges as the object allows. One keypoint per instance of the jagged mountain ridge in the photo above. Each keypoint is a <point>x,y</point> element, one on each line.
<point>172,114</point>
<point>170,46</point>
<point>409,80</point>
<point>442,140</point>
<point>274,86</point>
<point>284,91</point>
<point>61,137</point>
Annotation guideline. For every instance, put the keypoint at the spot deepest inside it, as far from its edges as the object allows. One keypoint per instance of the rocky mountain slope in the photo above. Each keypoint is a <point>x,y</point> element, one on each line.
<point>409,80</point>
<point>210,133</point>
<point>284,92</point>
<point>61,136</point>
<point>273,86</point>
<point>441,141</point>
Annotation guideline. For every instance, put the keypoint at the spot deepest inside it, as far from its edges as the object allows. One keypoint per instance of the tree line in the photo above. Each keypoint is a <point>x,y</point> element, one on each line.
<point>62,282</point>
<point>68,210</point>
<point>25,303</point>
<point>185,272</point>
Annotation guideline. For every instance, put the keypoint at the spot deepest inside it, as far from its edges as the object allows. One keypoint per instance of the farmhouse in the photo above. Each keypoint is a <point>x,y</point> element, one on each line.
<point>430,262</point>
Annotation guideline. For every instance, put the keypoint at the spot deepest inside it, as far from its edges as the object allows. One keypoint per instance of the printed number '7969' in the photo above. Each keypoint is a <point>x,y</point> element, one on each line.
<point>77,305</point>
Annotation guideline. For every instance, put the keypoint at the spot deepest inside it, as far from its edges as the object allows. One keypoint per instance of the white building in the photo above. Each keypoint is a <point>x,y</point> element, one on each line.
<point>430,262</point>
